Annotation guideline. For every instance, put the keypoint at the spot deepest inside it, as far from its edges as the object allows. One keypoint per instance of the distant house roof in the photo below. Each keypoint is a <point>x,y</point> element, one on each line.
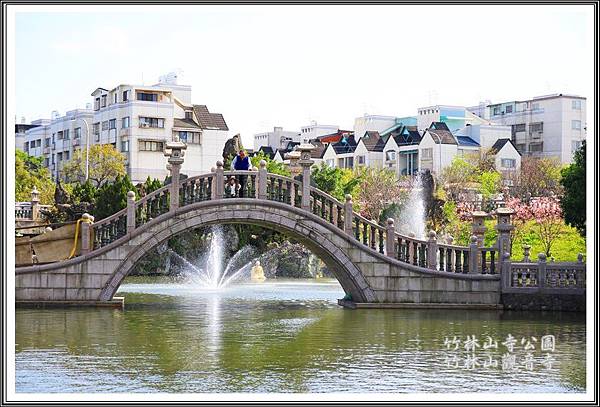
<point>501,143</point>
<point>319,149</point>
<point>209,121</point>
<point>22,128</point>
<point>347,144</point>
<point>406,135</point>
<point>268,151</point>
<point>466,141</point>
<point>373,141</point>
<point>333,137</point>
<point>440,133</point>
<point>186,123</point>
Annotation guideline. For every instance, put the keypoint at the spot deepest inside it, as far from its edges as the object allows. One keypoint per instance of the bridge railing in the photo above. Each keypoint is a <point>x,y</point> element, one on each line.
<point>543,277</point>
<point>220,184</point>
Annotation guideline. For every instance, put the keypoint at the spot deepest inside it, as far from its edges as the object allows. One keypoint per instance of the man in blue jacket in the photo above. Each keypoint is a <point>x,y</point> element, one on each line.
<point>241,163</point>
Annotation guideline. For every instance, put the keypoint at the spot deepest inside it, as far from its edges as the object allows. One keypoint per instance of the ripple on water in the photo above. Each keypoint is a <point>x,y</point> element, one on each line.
<point>279,336</point>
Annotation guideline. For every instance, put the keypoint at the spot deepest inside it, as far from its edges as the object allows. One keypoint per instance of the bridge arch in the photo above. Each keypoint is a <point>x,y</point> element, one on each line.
<point>317,235</point>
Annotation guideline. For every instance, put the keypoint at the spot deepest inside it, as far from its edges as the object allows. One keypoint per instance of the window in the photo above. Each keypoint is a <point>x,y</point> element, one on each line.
<point>518,128</point>
<point>66,134</point>
<point>103,101</point>
<point>125,95</point>
<point>26,146</point>
<point>115,97</point>
<point>112,124</point>
<point>390,155</point>
<point>46,142</point>
<point>535,106</point>
<point>521,148</point>
<point>105,125</point>
<point>66,155</point>
<point>77,132</point>
<point>59,157</point>
<point>496,110</point>
<point>536,147</point>
<point>38,142</point>
<point>53,158</point>
<point>360,159</point>
<point>183,136</point>
<point>125,146</point>
<point>189,115</point>
<point>125,122</point>
<point>508,109</point>
<point>330,163</point>
<point>97,104</point>
<point>146,145</point>
<point>46,162</point>
<point>96,127</point>
<point>59,135</point>
<point>576,104</point>
<point>508,163</point>
<point>152,122</point>
<point>148,97</point>
<point>427,153</point>
<point>536,127</point>
<point>576,124</point>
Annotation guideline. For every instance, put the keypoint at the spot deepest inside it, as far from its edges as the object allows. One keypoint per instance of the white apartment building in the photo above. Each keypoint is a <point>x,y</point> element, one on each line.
<point>455,117</point>
<point>57,139</point>
<point>138,121</point>
<point>551,125</point>
<point>277,139</point>
<point>372,122</point>
<point>315,130</point>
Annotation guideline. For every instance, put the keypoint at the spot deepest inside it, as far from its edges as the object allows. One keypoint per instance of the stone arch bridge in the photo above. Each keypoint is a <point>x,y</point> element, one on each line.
<point>374,264</point>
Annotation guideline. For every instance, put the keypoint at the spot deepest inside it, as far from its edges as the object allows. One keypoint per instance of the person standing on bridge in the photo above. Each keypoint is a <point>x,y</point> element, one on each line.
<point>241,163</point>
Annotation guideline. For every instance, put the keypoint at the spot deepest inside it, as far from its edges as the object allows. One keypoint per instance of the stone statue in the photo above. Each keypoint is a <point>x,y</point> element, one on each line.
<point>258,273</point>
<point>232,146</point>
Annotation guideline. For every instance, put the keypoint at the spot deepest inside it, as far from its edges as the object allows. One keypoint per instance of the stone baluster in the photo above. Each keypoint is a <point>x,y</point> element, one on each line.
<point>262,180</point>
<point>219,182</point>
<point>35,204</point>
<point>542,270</point>
<point>390,238</point>
<point>130,211</point>
<point>348,216</point>
<point>432,249</point>
<point>87,240</point>
<point>411,249</point>
<point>473,256</point>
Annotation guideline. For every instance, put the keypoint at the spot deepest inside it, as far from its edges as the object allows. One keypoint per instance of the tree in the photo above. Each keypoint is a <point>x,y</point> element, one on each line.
<point>337,182</point>
<point>149,186</point>
<point>378,188</point>
<point>538,177</point>
<point>547,216</point>
<point>105,164</point>
<point>30,172</point>
<point>273,167</point>
<point>85,192</point>
<point>454,176</point>
<point>573,200</point>
<point>112,197</point>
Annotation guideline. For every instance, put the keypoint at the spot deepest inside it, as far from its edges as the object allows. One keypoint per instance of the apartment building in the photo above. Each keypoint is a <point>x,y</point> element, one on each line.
<point>455,117</point>
<point>57,139</point>
<point>137,121</point>
<point>20,134</point>
<point>551,125</point>
<point>315,130</point>
<point>277,139</point>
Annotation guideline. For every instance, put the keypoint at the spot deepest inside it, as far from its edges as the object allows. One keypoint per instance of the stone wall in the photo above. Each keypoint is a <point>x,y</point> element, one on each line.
<point>543,302</point>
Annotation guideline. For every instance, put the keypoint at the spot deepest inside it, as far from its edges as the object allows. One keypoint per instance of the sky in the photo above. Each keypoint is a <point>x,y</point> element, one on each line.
<point>266,66</point>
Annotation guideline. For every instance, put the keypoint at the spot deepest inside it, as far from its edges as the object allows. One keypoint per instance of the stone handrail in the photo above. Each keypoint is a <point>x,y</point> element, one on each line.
<point>424,253</point>
<point>543,277</point>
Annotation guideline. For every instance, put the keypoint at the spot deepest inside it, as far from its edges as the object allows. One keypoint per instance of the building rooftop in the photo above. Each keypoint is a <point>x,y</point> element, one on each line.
<point>501,143</point>
<point>466,141</point>
<point>209,121</point>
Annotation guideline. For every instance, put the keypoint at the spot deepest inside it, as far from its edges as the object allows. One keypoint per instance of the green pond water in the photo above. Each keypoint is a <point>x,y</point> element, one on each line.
<point>289,336</point>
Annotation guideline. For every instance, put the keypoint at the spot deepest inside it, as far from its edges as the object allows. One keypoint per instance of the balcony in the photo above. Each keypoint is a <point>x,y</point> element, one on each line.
<point>76,142</point>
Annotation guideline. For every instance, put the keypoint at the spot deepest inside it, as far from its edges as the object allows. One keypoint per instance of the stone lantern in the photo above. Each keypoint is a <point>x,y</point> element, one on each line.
<point>305,162</point>
<point>478,226</point>
<point>174,151</point>
<point>504,227</point>
<point>294,157</point>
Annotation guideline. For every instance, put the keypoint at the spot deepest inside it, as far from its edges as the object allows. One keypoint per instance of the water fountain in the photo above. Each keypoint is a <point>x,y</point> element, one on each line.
<point>411,218</point>
<point>211,271</point>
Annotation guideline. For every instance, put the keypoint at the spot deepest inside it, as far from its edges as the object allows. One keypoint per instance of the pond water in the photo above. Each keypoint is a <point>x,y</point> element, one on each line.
<point>290,336</point>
